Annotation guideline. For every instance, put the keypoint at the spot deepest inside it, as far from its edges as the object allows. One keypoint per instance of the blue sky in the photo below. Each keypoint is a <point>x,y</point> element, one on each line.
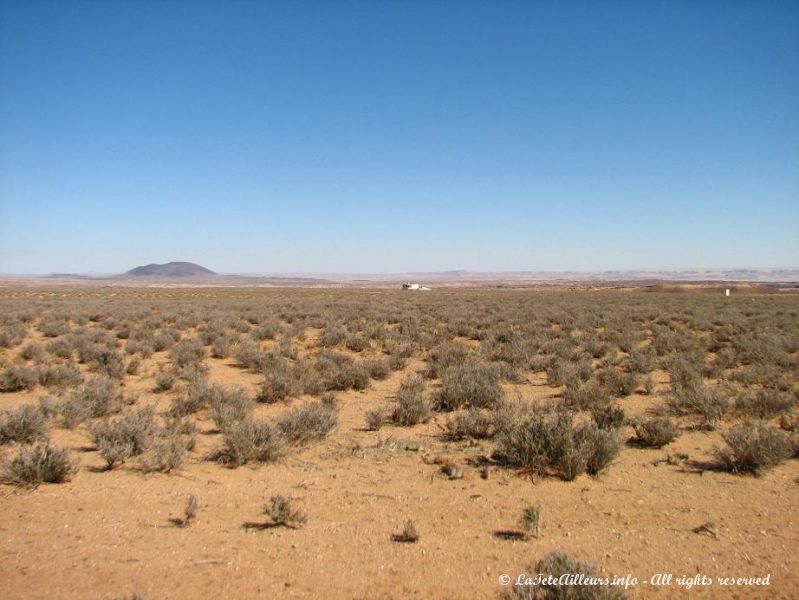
<point>385,137</point>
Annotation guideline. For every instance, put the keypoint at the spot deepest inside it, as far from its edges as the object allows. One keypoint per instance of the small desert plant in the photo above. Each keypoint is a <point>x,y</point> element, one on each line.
<point>25,424</point>
<point>444,356</point>
<point>277,385</point>
<point>108,362</point>
<point>189,512</point>
<point>476,423</point>
<point>127,436</point>
<point>531,520</point>
<point>409,533</point>
<point>59,375</point>
<point>412,405</point>
<point>700,399</point>
<point>551,442</point>
<point>587,396</point>
<point>40,463</point>
<point>470,384</point>
<point>618,382</point>
<point>375,419</point>
<point>166,454</point>
<point>17,379</point>
<point>230,407</point>
<point>655,432</point>
<point>754,448</point>
<point>378,369</point>
<point>97,397</point>
<point>548,586</point>
<point>608,416</point>
<point>282,514</point>
<point>164,381</point>
<point>251,440</point>
<point>187,353</point>
<point>764,403</point>
<point>310,422</point>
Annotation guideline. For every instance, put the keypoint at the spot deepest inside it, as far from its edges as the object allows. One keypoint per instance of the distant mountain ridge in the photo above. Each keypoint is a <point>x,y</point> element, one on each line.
<point>170,270</point>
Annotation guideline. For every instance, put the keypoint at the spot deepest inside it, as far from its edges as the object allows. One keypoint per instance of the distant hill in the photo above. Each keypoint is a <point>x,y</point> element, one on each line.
<point>170,270</point>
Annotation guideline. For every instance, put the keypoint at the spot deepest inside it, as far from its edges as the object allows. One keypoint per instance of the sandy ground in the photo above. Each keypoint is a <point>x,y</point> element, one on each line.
<point>108,534</point>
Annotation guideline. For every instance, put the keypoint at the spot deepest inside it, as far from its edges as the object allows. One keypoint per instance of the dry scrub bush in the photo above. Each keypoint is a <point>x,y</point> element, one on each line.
<point>230,407</point>
<point>166,454</point>
<point>412,405</point>
<point>164,381</point>
<point>17,379</point>
<point>617,382</point>
<point>24,425</point>
<point>754,448</point>
<point>65,375</point>
<point>251,441</point>
<point>764,403</point>
<point>700,399</point>
<point>555,565</point>
<point>33,351</point>
<point>409,535</point>
<point>283,514</point>
<point>471,383</point>
<point>550,442</point>
<point>374,419</point>
<point>199,394</point>
<point>588,396</point>
<point>40,463</point>
<point>475,423</point>
<point>98,397</point>
<point>655,432</point>
<point>125,437</point>
<point>307,423</point>
<point>608,416</point>
<point>444,356</point>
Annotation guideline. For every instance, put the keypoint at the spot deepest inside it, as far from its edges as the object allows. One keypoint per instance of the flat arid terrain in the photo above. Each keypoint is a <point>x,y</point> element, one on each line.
<point>211,442</point>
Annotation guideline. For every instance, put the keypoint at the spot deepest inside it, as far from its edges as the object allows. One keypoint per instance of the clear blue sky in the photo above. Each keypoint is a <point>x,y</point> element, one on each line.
<point>385,137</point>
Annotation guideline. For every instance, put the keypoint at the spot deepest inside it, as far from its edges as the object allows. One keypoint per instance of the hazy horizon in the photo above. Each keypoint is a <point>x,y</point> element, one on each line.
<point>95,273</point>
<point>398,137</point>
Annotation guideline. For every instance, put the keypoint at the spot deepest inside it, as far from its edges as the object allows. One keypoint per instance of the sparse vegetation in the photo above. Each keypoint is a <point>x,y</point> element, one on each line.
<point>283,514</point>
